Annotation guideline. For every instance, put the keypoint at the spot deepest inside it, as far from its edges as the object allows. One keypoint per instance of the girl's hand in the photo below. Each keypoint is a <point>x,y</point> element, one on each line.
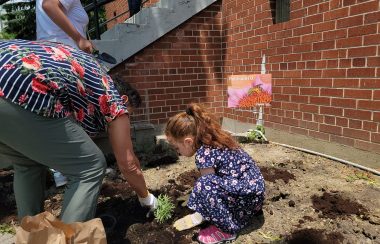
<point>207,171</point>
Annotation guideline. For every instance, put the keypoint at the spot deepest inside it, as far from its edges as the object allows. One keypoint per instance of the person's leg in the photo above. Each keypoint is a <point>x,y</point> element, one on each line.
<point>29,181</point>
<point>60,144</point>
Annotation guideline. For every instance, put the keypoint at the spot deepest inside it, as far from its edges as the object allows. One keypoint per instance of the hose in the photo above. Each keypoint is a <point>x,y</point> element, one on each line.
<point>373,171</point>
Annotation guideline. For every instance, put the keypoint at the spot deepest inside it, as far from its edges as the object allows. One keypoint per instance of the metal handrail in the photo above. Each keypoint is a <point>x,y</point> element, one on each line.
<point>94,6</point>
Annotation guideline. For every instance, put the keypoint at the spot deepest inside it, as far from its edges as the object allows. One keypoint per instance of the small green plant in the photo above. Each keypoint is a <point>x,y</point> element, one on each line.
<point>164,209</point>
<point>269,235</point>
<point>6,228</point>
<point>257,135</point>
<point>362,176</point>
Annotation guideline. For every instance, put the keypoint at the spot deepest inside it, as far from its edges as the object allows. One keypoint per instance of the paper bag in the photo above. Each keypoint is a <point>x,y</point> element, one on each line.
<point>44,228</point>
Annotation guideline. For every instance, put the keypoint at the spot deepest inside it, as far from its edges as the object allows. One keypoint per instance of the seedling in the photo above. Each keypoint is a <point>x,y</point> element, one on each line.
<point>362,176</point>
<point>164,210</point>
<point>270,236</point>
<point>257,135</point>
<point>7,229</point>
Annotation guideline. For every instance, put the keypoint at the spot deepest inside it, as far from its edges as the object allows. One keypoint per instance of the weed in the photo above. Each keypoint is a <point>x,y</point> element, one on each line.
<point>164,209</point>
<point>362,176</point>
<point>270,236</point>
<point>257,135</point>
<point>6,228</point>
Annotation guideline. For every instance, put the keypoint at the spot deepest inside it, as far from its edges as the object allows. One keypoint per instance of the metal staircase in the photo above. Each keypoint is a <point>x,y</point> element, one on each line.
<point>148,25</point>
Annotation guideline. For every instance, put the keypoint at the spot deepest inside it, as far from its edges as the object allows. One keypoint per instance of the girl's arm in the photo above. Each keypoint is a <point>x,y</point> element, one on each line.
<point>207,171</point>
<point>129,165</point>
<point>55,10</point>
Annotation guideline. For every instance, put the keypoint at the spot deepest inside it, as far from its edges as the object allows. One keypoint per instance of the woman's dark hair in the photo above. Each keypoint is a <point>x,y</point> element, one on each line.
<point>124,88</point>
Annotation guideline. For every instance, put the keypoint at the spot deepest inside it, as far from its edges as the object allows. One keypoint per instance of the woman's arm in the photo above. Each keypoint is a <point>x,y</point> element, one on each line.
<point>54,9</point>
<point>129,165</point>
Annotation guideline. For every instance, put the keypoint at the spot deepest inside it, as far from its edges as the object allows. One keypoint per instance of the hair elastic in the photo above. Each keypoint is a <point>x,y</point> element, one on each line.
<point>189,111</point>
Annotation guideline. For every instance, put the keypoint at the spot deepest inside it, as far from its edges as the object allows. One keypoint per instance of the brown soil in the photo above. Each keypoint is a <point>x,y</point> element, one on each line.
<point>309,199</point>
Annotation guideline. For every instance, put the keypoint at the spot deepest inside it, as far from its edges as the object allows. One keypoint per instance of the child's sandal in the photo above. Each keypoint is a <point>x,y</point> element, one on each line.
<point>213,235</point>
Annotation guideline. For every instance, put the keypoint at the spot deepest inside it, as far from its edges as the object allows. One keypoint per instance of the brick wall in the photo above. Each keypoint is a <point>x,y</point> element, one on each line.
<point>325,64</point>
<point>183,66</point>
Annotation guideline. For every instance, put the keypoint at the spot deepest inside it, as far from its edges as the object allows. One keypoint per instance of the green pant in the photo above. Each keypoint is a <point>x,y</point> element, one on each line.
<point>31,143</point>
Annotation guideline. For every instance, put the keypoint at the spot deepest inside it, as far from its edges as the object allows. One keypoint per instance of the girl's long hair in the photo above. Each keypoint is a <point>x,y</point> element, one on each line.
<point>200,124</point>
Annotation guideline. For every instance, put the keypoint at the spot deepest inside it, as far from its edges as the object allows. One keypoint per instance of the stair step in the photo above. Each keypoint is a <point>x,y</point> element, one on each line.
<point>119,30</point>
<point>147,15</point>
<point>151,23</point>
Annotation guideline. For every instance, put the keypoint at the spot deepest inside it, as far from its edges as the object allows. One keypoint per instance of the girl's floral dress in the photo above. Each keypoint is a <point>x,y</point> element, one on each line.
<point>230,197</point>
<point>56,81</point>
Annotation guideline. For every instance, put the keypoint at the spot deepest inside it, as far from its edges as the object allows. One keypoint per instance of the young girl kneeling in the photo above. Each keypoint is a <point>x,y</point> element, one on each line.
<point>231,187</point>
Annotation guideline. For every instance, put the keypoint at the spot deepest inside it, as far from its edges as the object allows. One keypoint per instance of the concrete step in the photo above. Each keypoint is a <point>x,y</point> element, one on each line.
<point>148,15</point>
<point>119,30</point>
<point>142,29</point>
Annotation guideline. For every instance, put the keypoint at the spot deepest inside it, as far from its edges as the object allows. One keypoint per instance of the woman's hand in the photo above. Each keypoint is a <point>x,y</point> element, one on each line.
<point>55,10</point>
<point>85,45</point>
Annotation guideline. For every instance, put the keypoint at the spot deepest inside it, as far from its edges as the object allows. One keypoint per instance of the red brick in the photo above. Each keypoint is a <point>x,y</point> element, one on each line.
<point>351,93</point>
<point>345,63</point>
<point>372,18</point>
<point>376,95</point>
<point>336,14</point>
<point>334,73</point>
<point>349,42</point>
<point>367,146</point>
<point>330,129</point>
<point>371,39</point>
<point>361,72</point>
<point>342,140</point>
<point>331,92</point>
<point>375,137</point>
<point>370,105</point>
<point>309,91</point>
<point>361,51</point>
<point>331,111</point>
<point>357,114</point>
<point>335,34</point>
<point>350,21</point>
<point>319,135</point>
<point>370,83</point>
<point>320,100</point>
<point>341,121</point>
<point>362,30</point>
<point>329,120</point>
<point>367,6</point>
<point>357,134</point>
<point>299,131</point>
<point>376,116</point>
<point>370,126</point>
<point>321,83</point>
<point>345,103</point>
<point>355,124</point>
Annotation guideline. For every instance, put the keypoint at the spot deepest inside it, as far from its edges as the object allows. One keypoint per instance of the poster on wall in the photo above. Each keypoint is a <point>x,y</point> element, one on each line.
<point>247,91</point>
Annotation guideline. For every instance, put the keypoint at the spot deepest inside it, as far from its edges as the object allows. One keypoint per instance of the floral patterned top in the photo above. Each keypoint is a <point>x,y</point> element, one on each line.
<point>56,81</point>
<point>238,171</point>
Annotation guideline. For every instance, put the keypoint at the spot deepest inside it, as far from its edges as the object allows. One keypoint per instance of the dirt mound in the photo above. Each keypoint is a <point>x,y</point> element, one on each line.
<point>188,178</point>
<point>274,174</point>
<point>314,236</point>
<point>333,205</point>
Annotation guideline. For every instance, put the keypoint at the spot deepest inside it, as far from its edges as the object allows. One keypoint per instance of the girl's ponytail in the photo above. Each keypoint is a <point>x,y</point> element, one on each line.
<point>208,130</point>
